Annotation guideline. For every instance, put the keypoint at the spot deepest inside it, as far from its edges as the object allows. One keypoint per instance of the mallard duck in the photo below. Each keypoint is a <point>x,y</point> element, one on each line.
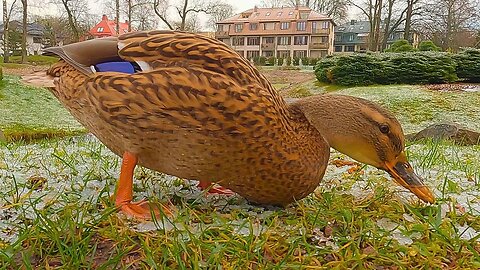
<point>189,106</point>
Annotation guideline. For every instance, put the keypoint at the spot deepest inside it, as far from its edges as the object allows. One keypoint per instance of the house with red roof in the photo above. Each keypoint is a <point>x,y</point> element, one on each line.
<point>107,28</point>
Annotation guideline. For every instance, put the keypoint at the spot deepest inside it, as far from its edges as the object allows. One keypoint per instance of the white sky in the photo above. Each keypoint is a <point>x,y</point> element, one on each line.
<point>97,7</point>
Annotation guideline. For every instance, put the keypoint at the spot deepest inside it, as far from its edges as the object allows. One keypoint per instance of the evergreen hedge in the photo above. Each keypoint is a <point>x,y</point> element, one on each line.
<point>387,68</point>
<point>468,64</point>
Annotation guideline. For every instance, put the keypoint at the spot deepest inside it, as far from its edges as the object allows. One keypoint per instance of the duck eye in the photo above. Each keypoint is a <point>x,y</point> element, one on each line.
<point>384,129</point>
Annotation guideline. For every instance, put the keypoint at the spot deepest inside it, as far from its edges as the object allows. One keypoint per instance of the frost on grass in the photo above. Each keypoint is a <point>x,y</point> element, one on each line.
<point>80,173</point>
<point>452,172</point>
<point>416,108</point>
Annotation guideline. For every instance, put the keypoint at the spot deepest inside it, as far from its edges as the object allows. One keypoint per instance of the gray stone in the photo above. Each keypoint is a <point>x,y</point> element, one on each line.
<point>447,131</point>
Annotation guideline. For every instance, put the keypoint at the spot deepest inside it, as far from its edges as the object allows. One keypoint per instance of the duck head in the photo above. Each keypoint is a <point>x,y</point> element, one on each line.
<point>367,133</point>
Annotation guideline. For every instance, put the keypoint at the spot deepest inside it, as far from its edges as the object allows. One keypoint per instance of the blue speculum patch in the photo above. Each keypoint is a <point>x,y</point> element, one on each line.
<point>123,67</point>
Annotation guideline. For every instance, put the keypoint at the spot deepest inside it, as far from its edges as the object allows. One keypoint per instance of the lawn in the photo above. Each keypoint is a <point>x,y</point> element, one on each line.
<point>55,210</point>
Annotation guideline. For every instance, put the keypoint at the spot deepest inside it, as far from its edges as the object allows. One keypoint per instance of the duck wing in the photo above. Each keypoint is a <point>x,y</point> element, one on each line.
<point>151,49</point>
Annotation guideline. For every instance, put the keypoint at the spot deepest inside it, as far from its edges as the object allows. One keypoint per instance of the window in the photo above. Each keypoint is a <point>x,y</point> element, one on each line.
<point>325,24</point>
<point>100,29</point>
<point>252,54</point>
<point>338,37</point>
<point>268,40</point>
<point>324,39</point>
<point>301,26</point>
<point>284,25</point>
<point>238,41</point>
<point>338,48</point>
<point>253,26</point>
<point>284,41</point>
<point>300,54</point>
<point>314,26</point>
<point>267,53</point>
<point>283,54</point>
<point>300,40</point>
<point>220,27</point>
<point>304,15</point>
<point>238,27</point>
<point>350,48</point>
<point>268,26</point>
<point>351,37</point>
<point>253,41</point>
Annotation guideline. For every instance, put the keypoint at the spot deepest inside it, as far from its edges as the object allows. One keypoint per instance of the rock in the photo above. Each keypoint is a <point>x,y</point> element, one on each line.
<point>446,131</point>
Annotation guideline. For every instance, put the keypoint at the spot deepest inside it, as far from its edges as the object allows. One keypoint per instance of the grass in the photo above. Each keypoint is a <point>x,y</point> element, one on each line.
<point>15,61</point>
<point>56,212</point>
<point>32,113</point>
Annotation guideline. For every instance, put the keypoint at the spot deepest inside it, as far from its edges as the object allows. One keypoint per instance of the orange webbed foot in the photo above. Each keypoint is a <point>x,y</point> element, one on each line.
<point>124,194</point>
<point>214,189</point>
<point>145,210</point>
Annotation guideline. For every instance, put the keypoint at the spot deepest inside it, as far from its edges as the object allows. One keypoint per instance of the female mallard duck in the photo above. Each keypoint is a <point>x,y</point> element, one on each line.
<point>189,106</point>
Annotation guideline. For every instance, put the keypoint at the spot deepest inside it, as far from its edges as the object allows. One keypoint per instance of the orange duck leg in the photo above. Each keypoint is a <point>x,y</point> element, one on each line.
<point>214,189</point>
<point>124,195</point>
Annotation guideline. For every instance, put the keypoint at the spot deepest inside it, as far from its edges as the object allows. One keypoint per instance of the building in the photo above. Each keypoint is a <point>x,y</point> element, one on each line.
<point>280,32</point>
<point>107,28</point>
<point>353,36</point>
<point>34,37</point>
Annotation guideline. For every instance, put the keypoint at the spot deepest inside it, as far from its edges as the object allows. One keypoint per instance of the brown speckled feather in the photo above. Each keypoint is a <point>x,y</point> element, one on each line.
<point>201,112</point>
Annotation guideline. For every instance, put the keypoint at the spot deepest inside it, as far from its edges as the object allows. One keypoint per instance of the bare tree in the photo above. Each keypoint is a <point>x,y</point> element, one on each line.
<point>412,6</point>
<point>274,3</point>
<point>186,10</point>
<point>24,32</point>
<point>117,16</point>
<point>335,9</point>
<point>372,9</point>
<point>77,15</point>
<point>139,13</point>
<point>221,12</point>
<point>7,14</point>
<point>445,19</point>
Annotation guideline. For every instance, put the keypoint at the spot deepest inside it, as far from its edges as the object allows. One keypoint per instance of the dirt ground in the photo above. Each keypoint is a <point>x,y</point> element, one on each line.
<point>287,79</point>
<point>454,87</point>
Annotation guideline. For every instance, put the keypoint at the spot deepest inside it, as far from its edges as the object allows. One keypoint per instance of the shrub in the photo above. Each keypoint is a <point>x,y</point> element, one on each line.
<point>468,64</point>
<point>401,45</point>
<point>280,61</point>
<point>387,68</point>
<point>271,61</point>
<point>289,61</point>
<point>323,69</point>
<point>428,45</point>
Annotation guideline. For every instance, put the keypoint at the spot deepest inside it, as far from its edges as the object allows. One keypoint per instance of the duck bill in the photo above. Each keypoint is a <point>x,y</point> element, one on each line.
<point>403,174</point>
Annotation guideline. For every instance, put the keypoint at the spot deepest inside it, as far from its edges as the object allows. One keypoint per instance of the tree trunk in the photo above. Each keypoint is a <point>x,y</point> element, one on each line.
<point>386,29</point>
<point>117,16</point>
<point>71,20</point>
<point>378,21</point>
<point>130,7</point>
<point>183,15</point>
<point>408,19</point>
<point>6,49</point>
<point>24,32</point>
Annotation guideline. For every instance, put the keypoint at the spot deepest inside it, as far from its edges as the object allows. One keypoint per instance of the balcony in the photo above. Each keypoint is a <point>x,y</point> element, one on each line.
<point>221,34</point>
<point>319,45</point>
<point>321,31</point>
<point>268,46</point>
